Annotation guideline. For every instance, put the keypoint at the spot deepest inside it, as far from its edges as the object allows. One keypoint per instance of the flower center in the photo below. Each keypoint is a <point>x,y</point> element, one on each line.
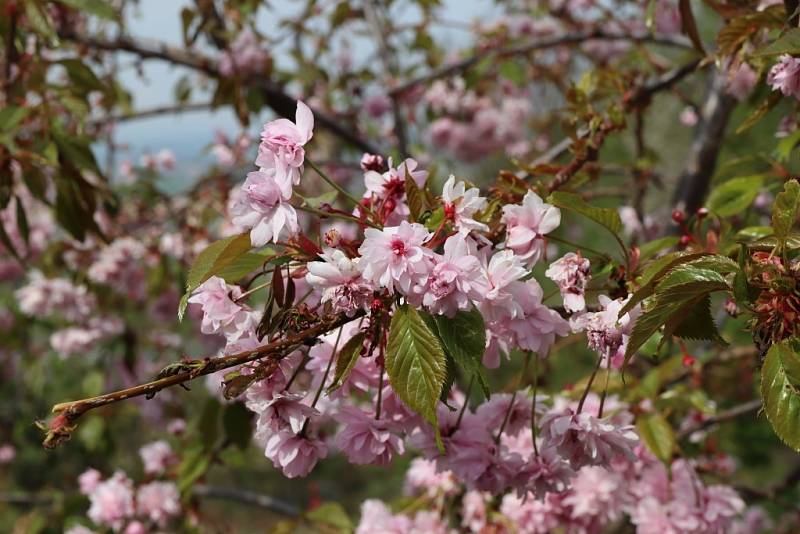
<point>398,247</point>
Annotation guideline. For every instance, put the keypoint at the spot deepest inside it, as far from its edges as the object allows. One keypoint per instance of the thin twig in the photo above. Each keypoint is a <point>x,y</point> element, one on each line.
<point>726,415</point>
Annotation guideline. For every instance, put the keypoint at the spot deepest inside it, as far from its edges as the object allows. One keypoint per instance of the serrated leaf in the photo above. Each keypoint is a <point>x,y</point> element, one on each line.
<point>752,233</point>
<point>346,360</point>
<point>464,338</point>
<point>607,217</point>
<point>781,399</point>
<point>215,257</point>
<point>331,515</point>
<point>696,323</point>
<point>735,196</point>
<point>415,364</point>
<point>417,203</point>
<point>686,281</point>
<point>242,266</point>
<point>653,273</point>
<point>328,197</point>
<point>657,434</point>
<point>785,209</point>
<point>788,43</point>
<point>689,25</point>
<point>648,324</point>
<point>651,248</point>
<point>759,113</point>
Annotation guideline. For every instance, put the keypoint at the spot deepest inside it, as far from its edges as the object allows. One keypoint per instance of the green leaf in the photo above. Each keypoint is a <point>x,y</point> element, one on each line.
<point>513,71</point>
<point>325,198</point>
<point>788,43</point>
<point>653,273</point>
<point>759,113</point>
<point>193,466</point>
<point>785,209</point>
<point>752,233</point>
<point>785,146</point>
<point>346,360</point>
<point>657,434</point>
<point>735,196</point>
<point>464,338</point>
<point>687,281</point>
<point>332,515</point>
<point>417,203</point>
<point>11,116</point>
<point>98,8</point>
<point>211,261</point>
<point>607,217</point>
<point>81,75</point>
<point>415,364</point>
<point>651,248</point>
<point>696,323</point>
<point>242,266</point>
<point>781,399</point>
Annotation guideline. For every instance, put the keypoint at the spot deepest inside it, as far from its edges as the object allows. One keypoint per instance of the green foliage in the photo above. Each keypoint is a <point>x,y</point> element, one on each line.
<point>788,43</point>
<point>346,360</point>
<point>734,196</point>
<point>657,434</point>
<point>464,339</point>
<point>785,210</point>
<point>779,393</point>
<point>212,260</point>
<point>415,364</point>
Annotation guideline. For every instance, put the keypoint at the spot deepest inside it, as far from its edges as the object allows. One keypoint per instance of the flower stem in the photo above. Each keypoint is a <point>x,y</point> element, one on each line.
<point>605,388</point>
<point>327,369</point>
<point>576,246</point>
<point>338,188</point>
<point>348,218</point>
<point>464,406</point>
<point>589,385</point>
<point>513,398</point>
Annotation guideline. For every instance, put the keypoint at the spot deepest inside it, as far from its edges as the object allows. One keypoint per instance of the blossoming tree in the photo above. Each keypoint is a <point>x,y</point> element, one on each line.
<point>405,269</point>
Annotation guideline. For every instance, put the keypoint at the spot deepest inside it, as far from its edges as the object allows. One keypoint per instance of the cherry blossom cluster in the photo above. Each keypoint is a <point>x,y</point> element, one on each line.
<point>443,268</point>
<point>655,497</point>
<point>117,503</point>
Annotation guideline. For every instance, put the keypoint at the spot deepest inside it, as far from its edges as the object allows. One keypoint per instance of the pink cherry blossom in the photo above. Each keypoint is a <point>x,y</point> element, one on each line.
<point>43,297</point>
<point>595,497</point>
<point>283,412</point>
<point>607,333</point>
<point>572,274</point>
<point>456,279</point>
<point>366,440</point>
<point>111,502</point>
<point>583,439</point>
<point>689,118</point>
<point>158,501</point>
<point>166,159</point>
<point>741,80</point>
<point>372,162</point>
<point>460,204</point>
<point>88,481</point>
<point>527,224</point>
<point>119,266</point>
<point>263,208</point>
<point>157,457</point>
<point>532,516</point>
<point>424,477</point>
<point>281,148</point>
<point>785,76</point>
<point>503,269</point>
<point>339,279</point>
<point>377,517</point>
<point>244,57</point>
<point>395,257</point>
<point>474,515</point>
<point>295,455</point>
<point>221,314</point>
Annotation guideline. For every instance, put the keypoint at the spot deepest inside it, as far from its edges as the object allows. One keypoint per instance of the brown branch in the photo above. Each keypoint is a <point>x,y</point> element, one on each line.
<point>280,102</point>
<point>458,67</point>
<point>250,498</point>
<point>64,423</point>
<point>702,158</point>
<point>726,415</point>
<point>154,112</point>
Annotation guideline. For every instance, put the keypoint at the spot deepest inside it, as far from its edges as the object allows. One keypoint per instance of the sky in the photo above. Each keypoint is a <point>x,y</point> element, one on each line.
<point>188,134</point>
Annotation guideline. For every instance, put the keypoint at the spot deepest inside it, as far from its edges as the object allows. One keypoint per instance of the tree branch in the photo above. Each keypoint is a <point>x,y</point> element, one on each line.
<point>702,157</point>
<point>64,423</point>
<point>280,102</point>
<point>154,112</point>
<point>246,497</point>
<point>726,415</point>
<point>458,67</point>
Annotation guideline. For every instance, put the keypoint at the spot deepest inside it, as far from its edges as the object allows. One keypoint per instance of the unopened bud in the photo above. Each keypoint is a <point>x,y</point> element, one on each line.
<point>702,213</point>
<point>372,162</point>
<point>678,216</point>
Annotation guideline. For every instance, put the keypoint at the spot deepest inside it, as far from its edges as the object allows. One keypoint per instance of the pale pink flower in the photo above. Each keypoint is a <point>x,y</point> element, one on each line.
<point>136,527</point>
<point>495,411</point>
<point>595,497</point>
<point>503,270</point>
<point>456,279</point>
<point>79,529</point>
<point>119,266</point>
<point>244,57</point>
<point>377,517</point>
<point>158,501</point>
<point>221,314</point>
<point>111,502</point>
<point>583,439</point>
<point>536,328</point>
<point>741,80</point>
<point>339,280</point>
<point>571,273</point>
<point>284,412</point>
<point>606,332</point>
<point>392,183</point>
<point>377,105</point>
<point>294,455</point>
<point>688,117</point>
<point>282,149</point>
<point>80,339</point>
<point>176,426</point>
<point>157,457</point>
<point>366,440</point>
<point>473,511</point>
<point>372,162</point>
<point>88,481</point>
<point>532,516</point>
<point>263,208</point>
<point>43,297</point>
<point>527,224</point>
<point>460,204</point>
<point>785,76</point>
<point>424,477</point>
<point>546,473</point>
<point>166,159</point>
<point>395,257</point>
